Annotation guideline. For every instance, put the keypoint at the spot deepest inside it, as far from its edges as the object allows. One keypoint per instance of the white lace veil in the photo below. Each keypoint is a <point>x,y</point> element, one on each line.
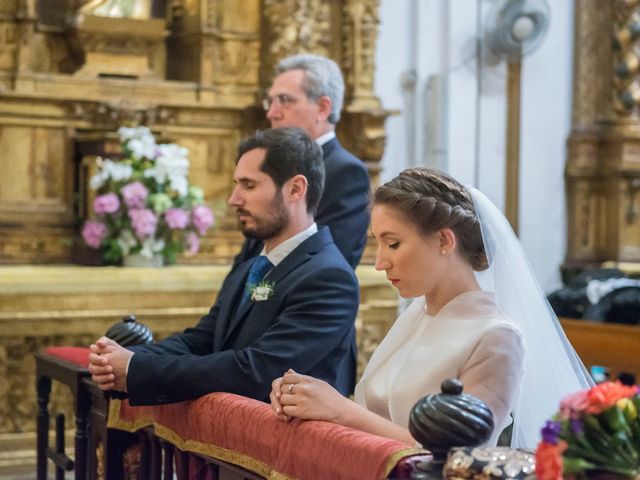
<point>552,368</point>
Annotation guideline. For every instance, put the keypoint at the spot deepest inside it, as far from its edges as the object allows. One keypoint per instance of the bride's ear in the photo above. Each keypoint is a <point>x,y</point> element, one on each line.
<point>448,241</point>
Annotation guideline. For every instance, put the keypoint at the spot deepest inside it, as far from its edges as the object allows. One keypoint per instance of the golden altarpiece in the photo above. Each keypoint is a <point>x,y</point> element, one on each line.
<point>194,71</point>
<point>603,165</point>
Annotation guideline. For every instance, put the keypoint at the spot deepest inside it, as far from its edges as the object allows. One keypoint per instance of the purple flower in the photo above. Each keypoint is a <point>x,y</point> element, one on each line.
<point>107,203</point>
<point>134,194</point>
<point>193,243</point>
<point>550,432</point>
<point>576,426</point>
<point>143,222</point>
<point>93,233</point>
<point>202,219</point>
<point>176,218</point>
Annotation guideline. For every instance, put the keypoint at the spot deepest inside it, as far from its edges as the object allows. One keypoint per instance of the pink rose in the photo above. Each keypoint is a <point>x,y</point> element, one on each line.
<point>134,195</point>
<point>143,222</point>
<point>107,203</point>
<point>176,218</point>
<point>93,233</point>
<point>574,402</point>
<point>202,218</point>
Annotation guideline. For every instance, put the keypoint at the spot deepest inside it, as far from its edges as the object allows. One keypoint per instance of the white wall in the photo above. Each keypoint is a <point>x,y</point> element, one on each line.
<point>453,110</point>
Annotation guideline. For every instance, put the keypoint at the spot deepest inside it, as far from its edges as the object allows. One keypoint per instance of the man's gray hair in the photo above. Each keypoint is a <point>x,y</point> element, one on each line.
<point>322,76</point>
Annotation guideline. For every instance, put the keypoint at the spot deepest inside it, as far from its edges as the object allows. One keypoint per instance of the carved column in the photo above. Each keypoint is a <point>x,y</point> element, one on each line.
<point>295,26</point>
<point>603,166</point>
<point>363,123</point>
<point>216,43</point>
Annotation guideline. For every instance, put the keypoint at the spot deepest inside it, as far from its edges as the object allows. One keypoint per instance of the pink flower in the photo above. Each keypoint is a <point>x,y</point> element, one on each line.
<point>143,222</point>
<point>176,218</point>
<point>202,218</point>
<point>93,233</point>
<point>134,194</point>
<point>107,203</point>
<point>574,403</point>
<point>193,243</point>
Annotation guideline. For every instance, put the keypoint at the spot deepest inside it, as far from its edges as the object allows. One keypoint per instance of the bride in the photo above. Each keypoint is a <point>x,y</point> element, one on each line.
<point>478,315</point>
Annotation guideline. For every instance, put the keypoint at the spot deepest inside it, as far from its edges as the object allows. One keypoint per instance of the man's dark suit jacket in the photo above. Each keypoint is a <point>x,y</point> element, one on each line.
<point>307,325</point>
<point>344,206</point>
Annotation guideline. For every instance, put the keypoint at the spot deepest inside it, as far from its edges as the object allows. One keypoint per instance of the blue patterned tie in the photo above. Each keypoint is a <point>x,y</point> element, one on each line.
<point>256,273</point>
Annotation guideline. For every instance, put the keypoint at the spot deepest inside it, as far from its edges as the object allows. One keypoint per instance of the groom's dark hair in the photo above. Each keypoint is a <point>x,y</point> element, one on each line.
<point>289,152</point>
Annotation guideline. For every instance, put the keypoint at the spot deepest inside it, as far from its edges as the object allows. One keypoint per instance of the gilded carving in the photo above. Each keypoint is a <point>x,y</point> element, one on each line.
<point>603,148</point>
<point>591,54</point>
<point>8,45</point>
<point>118,46</point>
<point>239,18</point>
<point>626,75</point>
<point>100,457</point>
<point>111,115</point>
<point>360,29</point>
<point>235,62</point>
<point>363,133</point>
<point>295,26</point>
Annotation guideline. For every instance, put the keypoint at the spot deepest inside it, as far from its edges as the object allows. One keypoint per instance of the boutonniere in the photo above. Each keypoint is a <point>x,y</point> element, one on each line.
<point>262,291</point>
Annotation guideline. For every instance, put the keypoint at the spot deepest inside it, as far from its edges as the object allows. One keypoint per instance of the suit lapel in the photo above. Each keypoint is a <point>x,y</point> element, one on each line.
<point>300,255</point>
<point>234,292</point>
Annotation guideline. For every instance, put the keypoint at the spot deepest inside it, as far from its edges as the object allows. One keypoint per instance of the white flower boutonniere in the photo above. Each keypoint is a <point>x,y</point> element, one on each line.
<point>262,291</point>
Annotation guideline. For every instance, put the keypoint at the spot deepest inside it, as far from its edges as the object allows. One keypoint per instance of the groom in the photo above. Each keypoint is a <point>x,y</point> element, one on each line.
<point>294,306</point>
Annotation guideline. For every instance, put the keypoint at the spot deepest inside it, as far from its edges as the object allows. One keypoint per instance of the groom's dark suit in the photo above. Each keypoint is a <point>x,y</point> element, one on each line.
<point>344,206</point>
<point>307,325</point>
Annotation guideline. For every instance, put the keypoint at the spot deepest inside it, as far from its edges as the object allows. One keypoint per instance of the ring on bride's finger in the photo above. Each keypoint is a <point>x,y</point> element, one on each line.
<point>290,387</point>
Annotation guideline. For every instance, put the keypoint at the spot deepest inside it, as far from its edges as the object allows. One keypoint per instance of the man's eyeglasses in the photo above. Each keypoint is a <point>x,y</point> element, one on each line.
<point>281,100</point>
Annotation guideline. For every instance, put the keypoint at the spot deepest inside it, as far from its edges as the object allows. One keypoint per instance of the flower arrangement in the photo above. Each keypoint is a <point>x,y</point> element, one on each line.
<point>145,204</point>
<point>596,430</point>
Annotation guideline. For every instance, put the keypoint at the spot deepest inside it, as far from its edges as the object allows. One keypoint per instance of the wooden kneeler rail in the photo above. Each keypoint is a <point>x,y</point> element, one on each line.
<point>242,437</point>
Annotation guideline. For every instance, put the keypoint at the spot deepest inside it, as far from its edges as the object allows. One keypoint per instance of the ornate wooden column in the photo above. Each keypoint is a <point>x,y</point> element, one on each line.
<point>216,43</point>
<point>603,166</point>
<point>346,31</point>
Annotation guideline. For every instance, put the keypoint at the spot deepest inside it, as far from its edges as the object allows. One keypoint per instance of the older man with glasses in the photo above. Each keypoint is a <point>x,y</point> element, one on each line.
<point>307,92</point>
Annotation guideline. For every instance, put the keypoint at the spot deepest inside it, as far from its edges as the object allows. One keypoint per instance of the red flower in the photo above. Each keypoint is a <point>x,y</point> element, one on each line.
<point>605,395</point>
<point>549,460</point>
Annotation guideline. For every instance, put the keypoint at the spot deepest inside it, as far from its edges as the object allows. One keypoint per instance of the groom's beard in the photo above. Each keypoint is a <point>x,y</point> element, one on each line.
<point>269,225</point>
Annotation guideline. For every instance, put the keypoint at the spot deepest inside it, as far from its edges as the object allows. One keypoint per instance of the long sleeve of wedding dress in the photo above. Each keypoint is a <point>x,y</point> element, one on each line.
<point>493,372</point>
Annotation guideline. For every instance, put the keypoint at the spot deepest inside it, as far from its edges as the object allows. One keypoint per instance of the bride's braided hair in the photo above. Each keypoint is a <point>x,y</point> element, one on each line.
<point>432,200</point>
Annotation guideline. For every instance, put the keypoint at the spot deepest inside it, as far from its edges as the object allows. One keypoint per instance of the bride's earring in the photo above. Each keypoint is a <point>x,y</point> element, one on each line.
<point>443,252</point>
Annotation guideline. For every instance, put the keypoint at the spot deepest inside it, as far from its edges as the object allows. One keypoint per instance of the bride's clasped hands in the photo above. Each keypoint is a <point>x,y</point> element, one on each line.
<point>305,397</point>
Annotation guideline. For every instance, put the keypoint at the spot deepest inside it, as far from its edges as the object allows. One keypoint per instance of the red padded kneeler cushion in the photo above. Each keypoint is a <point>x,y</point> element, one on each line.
<point>246,433</point>
<point>76,355</point>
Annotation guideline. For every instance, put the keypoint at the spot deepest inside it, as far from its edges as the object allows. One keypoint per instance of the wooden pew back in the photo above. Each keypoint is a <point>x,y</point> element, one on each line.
<point>611,345</point>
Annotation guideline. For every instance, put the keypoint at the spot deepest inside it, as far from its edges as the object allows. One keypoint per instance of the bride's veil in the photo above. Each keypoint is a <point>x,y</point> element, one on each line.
<point>551,368</point>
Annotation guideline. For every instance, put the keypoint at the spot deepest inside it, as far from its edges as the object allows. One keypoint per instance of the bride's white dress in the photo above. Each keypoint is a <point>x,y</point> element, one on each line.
<point>470,338</point>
